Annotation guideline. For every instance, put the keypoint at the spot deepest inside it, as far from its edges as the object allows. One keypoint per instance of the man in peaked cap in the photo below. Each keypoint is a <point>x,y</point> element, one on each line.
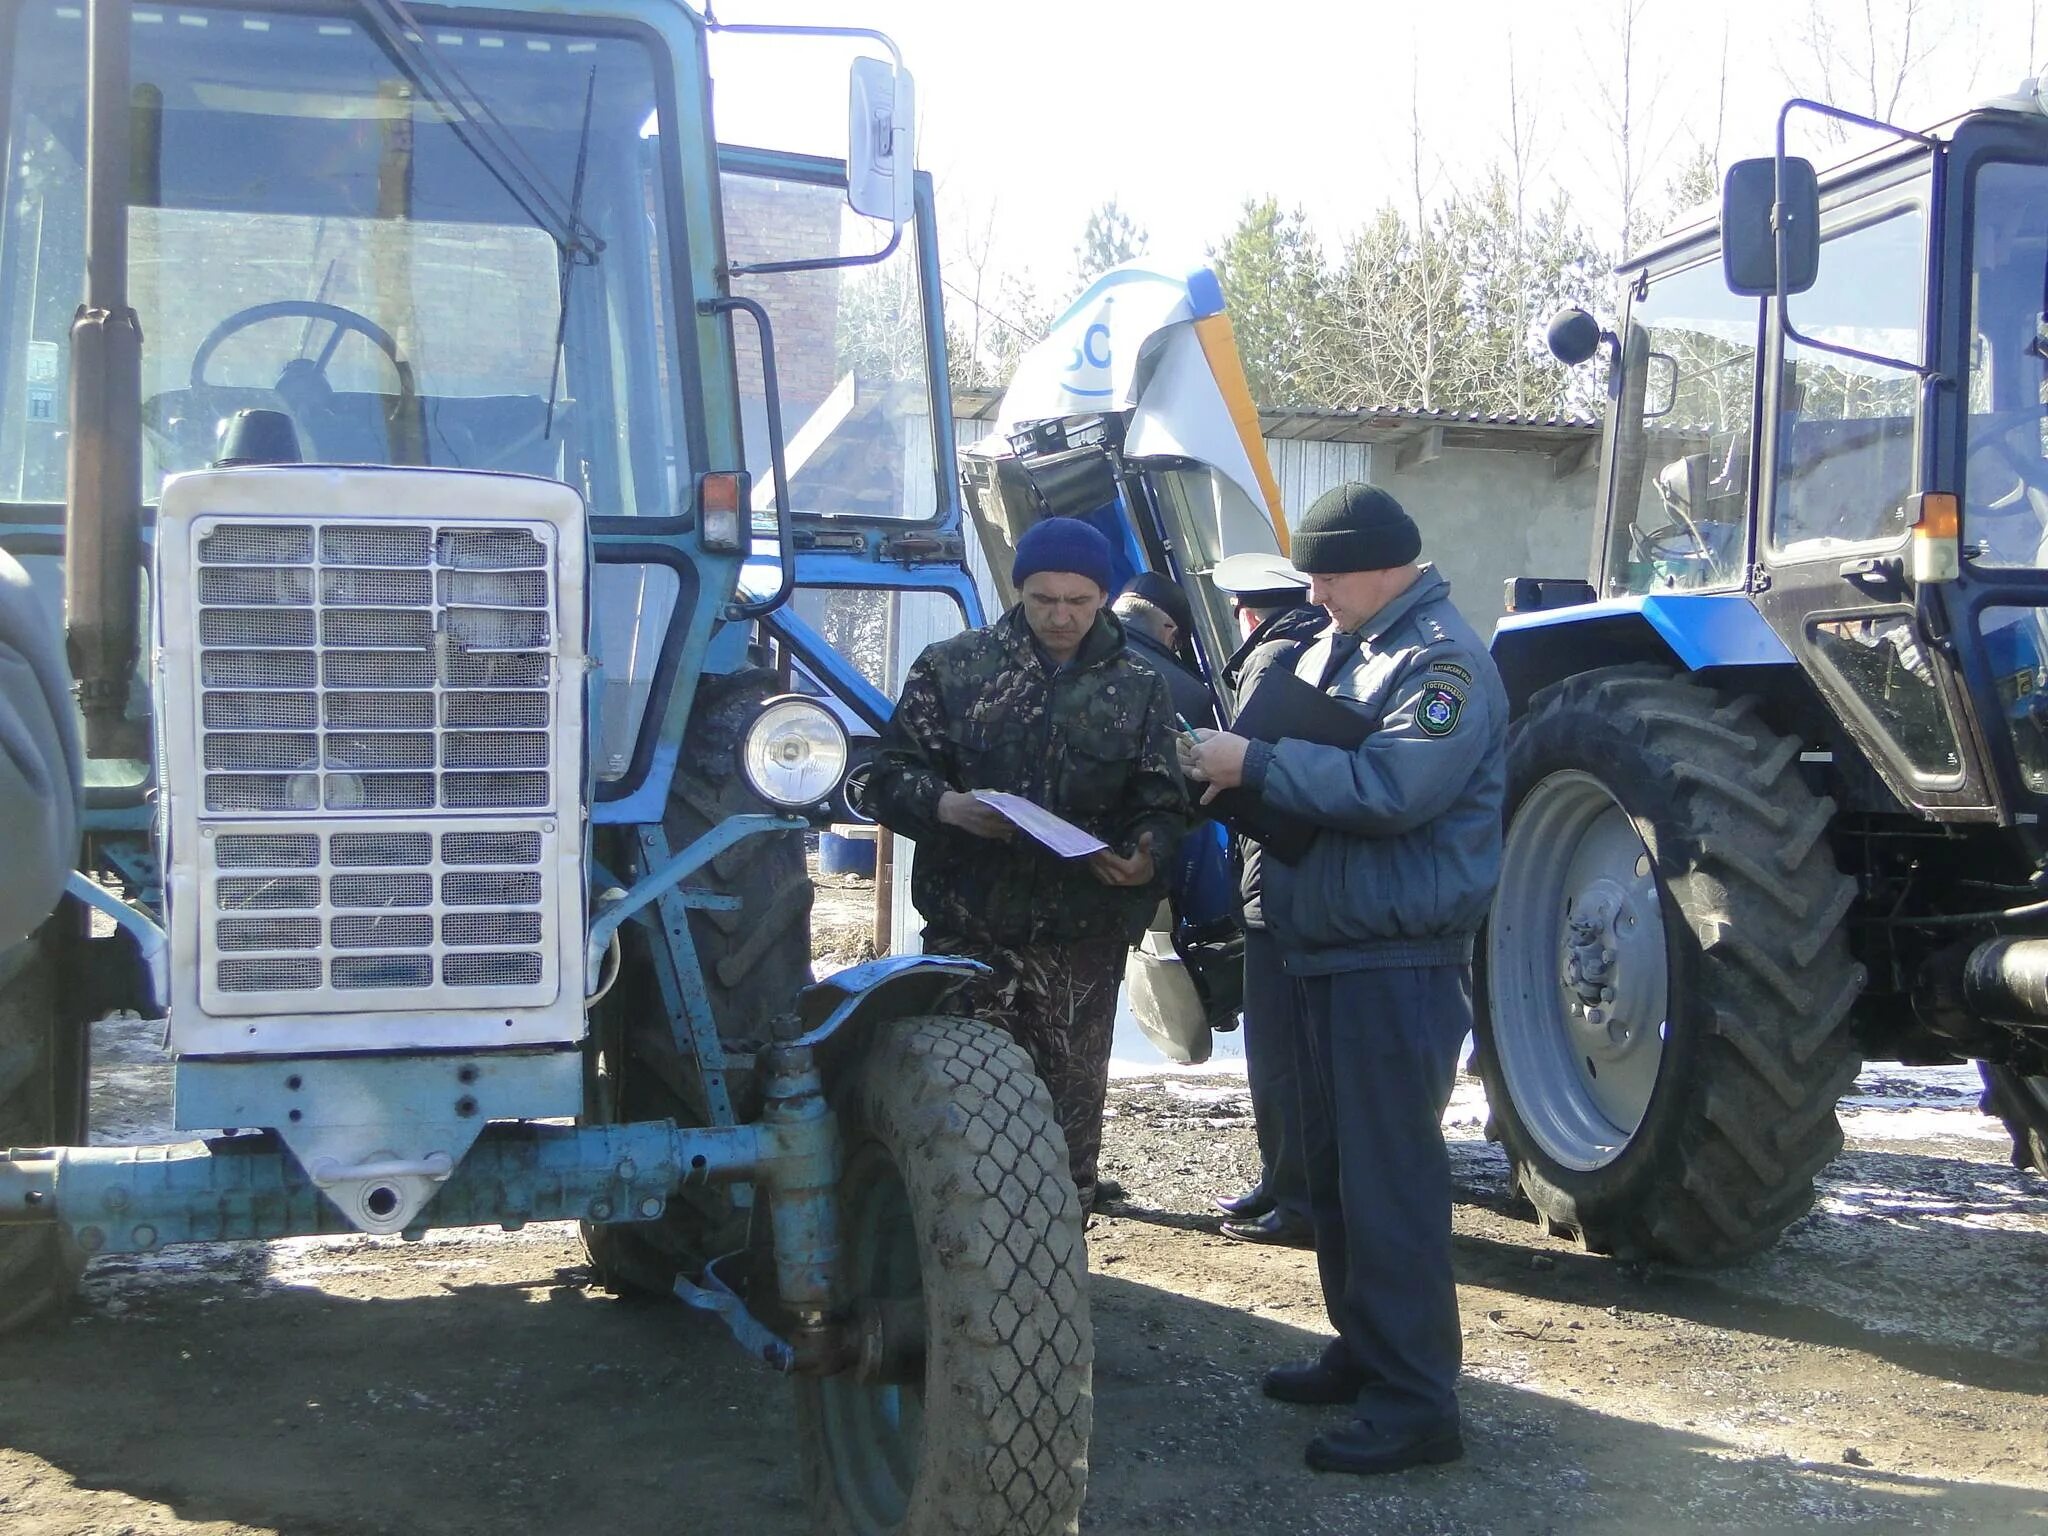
<point>1278,622</point>
<point>1375,924</point>
<point>1045,703</point>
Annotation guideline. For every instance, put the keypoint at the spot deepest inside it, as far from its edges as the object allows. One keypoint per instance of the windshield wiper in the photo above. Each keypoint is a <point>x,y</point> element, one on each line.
<point>569,256</point>
<point>483,133</point>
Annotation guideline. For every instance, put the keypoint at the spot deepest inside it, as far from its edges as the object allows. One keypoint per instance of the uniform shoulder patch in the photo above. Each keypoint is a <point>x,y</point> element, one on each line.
<point>1453,669</point>
<point>1437,712</point>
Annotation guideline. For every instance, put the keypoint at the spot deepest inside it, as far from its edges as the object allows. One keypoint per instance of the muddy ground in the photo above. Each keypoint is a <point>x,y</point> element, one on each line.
<point>1882,1369</point>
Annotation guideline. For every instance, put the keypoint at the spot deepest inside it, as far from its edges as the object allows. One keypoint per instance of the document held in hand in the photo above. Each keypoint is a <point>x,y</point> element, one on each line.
<point>1055,833</point>
<point>1284,708</point>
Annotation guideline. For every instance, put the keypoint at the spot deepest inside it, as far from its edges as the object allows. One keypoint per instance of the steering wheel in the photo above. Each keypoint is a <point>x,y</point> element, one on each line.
<point>1678,540</point>
<point>343,321</point>
<point>302,383</point>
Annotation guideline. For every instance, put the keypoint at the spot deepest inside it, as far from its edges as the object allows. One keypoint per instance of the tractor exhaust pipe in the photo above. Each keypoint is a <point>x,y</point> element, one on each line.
<point>2006,980</point>
<point>103,520</point>
<point>1973,994</point>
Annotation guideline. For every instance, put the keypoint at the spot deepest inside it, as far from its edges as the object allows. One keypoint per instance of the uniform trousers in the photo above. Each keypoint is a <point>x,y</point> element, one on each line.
<point>1382,1050</point>
<point>1273,1069</point>
<point>1058,1001</point>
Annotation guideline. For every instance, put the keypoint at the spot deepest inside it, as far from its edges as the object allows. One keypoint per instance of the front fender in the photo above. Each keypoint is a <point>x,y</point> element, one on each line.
<point>1688,632</point>
<point>838,1012</point>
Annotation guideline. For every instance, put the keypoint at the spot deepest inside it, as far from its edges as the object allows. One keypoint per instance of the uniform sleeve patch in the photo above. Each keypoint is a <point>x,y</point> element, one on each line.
<point>1439,709</point>
<point>1453,669</point>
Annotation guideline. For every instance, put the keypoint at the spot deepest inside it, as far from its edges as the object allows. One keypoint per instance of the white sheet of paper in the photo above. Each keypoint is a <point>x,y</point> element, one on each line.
<point>1035,821</point>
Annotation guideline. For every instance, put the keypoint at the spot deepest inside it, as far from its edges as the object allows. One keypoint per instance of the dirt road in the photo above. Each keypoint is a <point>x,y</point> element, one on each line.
<point>1882,1370</point>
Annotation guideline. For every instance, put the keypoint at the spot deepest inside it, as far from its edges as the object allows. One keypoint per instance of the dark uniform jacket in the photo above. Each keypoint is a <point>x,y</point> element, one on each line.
<point>1405,866</point>
<point>1279,640</point>
<point>1091,741</point>
<point>1190,694</point>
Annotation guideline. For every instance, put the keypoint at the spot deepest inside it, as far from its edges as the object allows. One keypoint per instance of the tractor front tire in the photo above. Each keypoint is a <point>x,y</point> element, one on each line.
<point>38,1269</point>
<point>753,959</point>
<point>957,1207</point>
<point>2022,1103</point>
<point>1670,915</point>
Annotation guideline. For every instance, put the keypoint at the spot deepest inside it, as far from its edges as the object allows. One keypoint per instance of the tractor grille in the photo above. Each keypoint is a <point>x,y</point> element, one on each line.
<point>374,669</point>
<point>340,914</point>
<point>377,764</point>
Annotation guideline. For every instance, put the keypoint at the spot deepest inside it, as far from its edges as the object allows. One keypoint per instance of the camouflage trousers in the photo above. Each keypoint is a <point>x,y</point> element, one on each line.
<point>1058,1001</point>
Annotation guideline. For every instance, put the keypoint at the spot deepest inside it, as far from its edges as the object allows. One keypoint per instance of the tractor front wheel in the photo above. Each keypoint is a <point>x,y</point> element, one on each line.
<point>960,1222</point>
<point>38,1269</point>
<point>1665,971</point>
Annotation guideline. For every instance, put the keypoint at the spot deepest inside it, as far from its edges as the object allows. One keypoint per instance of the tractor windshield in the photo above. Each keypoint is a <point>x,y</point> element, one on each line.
<point>2005,510</point>
<point>453,257</point>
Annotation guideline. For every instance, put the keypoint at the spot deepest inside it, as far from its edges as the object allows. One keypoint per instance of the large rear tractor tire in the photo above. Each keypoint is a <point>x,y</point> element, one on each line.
<point>2022,1103</point>
<point>1665,974</point>
<point>754,961</point>
<point>38,1269</point>
<point>956,1209</point>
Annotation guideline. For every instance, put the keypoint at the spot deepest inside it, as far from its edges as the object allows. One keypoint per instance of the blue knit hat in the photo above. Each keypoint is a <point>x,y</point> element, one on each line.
<point>1062,544</point>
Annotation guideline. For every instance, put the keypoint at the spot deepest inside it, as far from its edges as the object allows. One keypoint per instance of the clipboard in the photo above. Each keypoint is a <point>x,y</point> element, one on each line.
<point>1283,707</point>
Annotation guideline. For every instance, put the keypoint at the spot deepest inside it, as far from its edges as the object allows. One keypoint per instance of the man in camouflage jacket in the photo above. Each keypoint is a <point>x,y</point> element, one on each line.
<point>1045,703</point>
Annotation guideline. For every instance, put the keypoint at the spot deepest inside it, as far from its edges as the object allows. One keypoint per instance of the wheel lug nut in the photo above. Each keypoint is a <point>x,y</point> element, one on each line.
<point>1607,994</point>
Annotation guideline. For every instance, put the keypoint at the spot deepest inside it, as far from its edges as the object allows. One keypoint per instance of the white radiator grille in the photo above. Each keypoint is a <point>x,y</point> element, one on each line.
<point>371,669</point>
<point>343,915</point>
<point>370,711</point>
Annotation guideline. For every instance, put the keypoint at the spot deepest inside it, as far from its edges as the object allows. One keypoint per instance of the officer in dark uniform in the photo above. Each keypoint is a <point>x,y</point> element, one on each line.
<point>1278,621</point>
<point>1156,617</point>
<point>1376,924</point>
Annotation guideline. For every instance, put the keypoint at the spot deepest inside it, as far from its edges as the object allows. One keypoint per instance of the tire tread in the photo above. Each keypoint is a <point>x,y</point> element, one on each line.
<point>1739,841</point>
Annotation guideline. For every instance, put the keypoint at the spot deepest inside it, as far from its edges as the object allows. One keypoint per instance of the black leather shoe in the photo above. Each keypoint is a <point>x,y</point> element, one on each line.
<point>1311,1382</point>
<point>1249,1206</point>
<point>1276,1226</point>
<point>1360,1449</point>
<point>1105,1192</point>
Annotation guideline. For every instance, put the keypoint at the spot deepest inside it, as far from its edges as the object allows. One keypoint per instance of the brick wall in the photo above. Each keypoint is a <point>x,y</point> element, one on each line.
<point>780,221</point>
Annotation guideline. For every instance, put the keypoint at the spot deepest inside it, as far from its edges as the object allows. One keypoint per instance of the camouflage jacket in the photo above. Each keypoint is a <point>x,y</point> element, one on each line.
<point>1092,741</point>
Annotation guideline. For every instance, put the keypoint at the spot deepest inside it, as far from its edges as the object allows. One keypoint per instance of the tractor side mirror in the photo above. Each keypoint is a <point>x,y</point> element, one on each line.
<point>1573,336</point>
<point>881,141</point>
<point>1749,244</point>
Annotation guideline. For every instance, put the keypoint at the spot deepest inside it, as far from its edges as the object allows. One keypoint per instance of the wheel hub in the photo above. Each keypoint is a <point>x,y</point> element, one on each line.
<point>1578,970</point>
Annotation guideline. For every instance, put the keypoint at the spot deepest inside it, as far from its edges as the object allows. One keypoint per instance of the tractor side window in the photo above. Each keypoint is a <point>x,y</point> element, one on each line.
<point>1845,459</point>
<point>879,633</point>
<point>1683,438</point>
<point>851,355</point>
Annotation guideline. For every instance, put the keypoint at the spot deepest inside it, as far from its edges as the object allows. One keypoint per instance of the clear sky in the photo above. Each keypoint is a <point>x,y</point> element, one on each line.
<point>1032,114</point>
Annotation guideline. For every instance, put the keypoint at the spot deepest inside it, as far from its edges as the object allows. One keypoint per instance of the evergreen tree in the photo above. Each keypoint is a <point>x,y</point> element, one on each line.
<point>1110,238</point>
<point>1271,268</point>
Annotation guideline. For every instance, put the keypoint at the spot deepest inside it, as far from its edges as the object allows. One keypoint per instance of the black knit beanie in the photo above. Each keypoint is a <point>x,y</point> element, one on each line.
<point>1354,527</point>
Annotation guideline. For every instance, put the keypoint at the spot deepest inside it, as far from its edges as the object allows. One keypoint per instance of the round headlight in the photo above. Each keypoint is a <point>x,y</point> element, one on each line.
<point>794,753</point>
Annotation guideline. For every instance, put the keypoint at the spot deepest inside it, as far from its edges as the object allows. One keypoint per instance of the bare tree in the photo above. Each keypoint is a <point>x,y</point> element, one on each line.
<point>1628,91</point>
<point>1867,63</point>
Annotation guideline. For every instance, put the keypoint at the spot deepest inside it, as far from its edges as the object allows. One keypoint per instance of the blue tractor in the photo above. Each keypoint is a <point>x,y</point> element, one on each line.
<point>465,647</point>
<point>1779,766</point>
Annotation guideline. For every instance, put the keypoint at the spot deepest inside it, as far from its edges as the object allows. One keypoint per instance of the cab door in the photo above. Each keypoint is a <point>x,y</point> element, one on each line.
<point>1845,456</point>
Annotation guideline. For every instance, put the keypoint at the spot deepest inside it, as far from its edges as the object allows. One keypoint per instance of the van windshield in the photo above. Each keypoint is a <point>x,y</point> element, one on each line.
<point>314,230</point>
